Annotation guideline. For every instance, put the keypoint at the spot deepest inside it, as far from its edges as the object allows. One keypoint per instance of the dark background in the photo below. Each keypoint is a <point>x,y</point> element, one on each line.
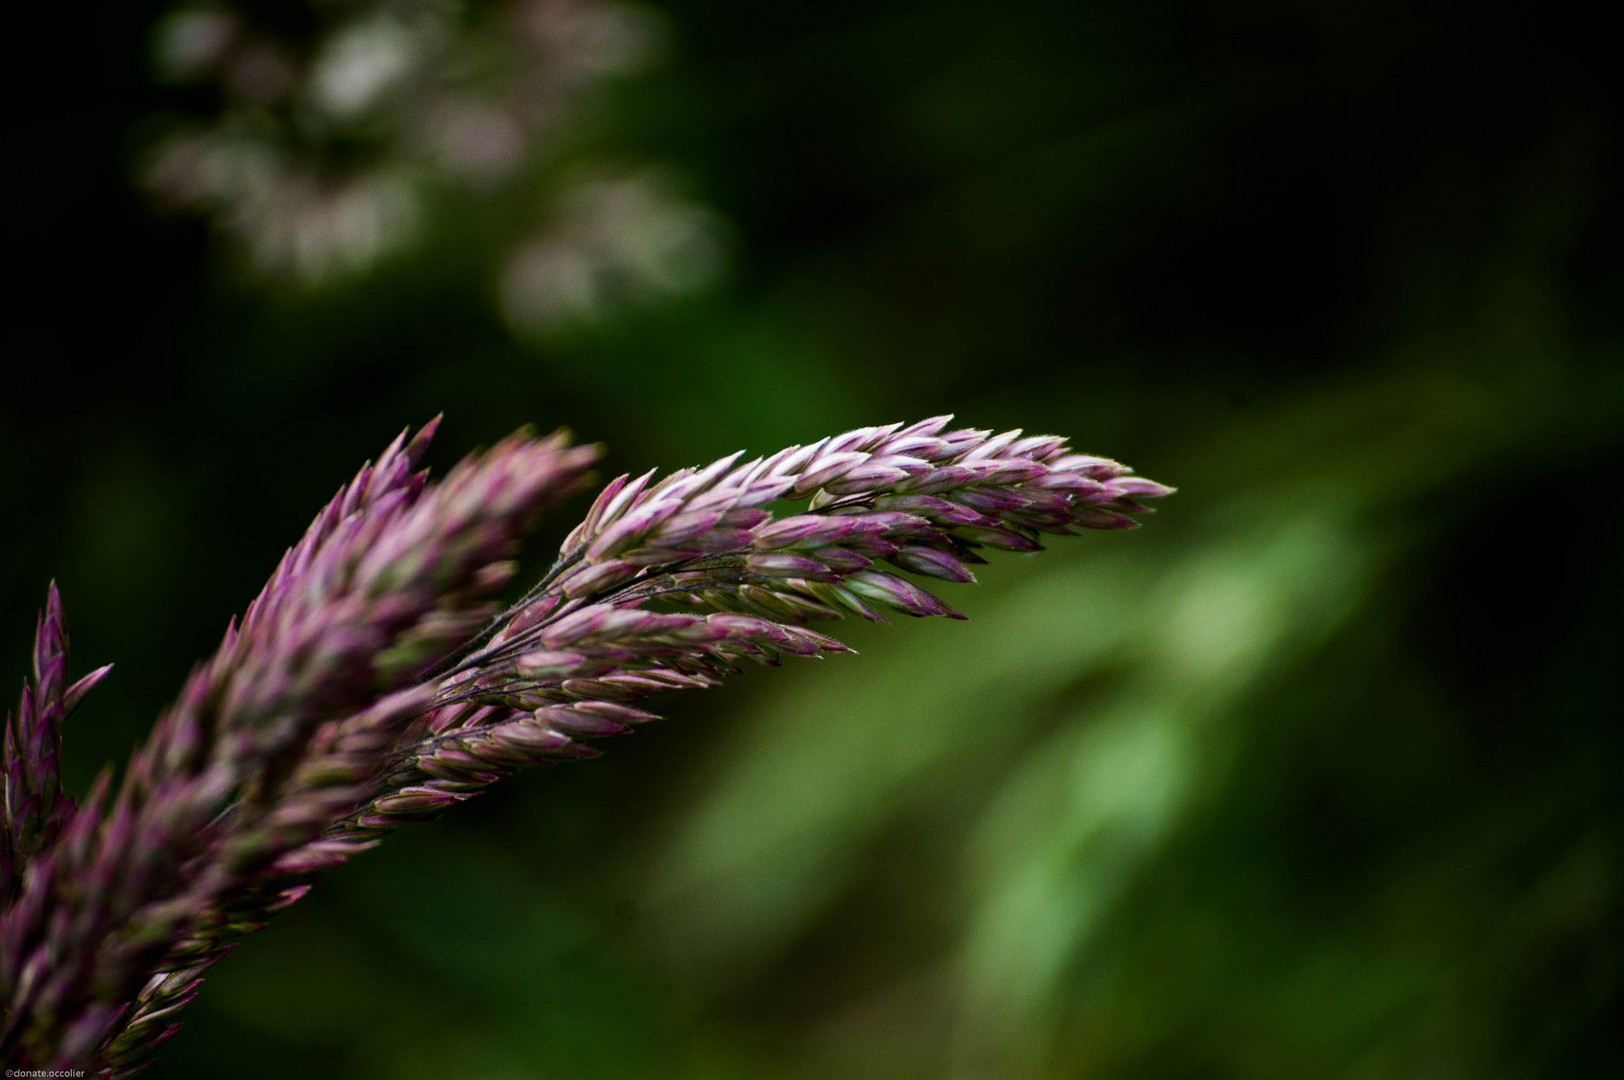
<point>1316,775</point>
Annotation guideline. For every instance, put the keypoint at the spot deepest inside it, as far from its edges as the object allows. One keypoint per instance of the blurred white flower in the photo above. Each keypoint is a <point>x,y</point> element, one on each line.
<point>326,148</point>
<point>616,243</point>
<point>357,65</point>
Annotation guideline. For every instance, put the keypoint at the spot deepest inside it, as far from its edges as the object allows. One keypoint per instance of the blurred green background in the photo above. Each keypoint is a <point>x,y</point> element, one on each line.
<point>1318,775</point>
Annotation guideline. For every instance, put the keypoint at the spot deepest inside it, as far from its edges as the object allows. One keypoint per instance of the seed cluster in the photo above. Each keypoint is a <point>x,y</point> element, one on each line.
<point>372,684</point>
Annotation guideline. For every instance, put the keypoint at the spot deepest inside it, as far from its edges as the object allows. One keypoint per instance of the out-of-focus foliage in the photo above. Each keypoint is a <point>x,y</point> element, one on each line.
<point>1317,775</point>
<point>335,134</point>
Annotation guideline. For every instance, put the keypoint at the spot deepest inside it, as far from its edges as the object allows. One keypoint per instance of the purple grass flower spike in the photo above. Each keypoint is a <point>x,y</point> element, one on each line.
<point>373,684</point>
<point>34,805</point>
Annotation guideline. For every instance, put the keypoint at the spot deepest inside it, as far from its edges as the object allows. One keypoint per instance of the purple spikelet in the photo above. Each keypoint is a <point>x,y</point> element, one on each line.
<point>33,802</point>
<point>591,637</point>
<point>372,684</point>
<point>392,574</point>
